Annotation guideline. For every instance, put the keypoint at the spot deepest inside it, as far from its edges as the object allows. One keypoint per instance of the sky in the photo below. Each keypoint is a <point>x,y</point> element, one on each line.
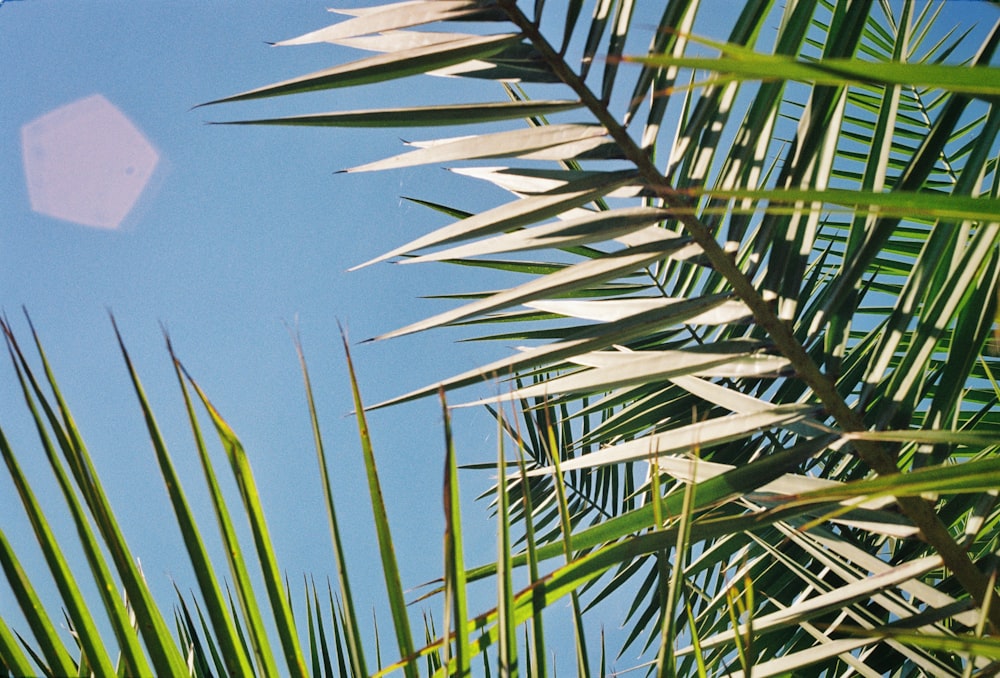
<point>236,235</point>
<point>240,234</point>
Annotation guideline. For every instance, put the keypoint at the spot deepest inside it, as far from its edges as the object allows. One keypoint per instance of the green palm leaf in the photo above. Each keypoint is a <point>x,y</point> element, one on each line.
<point>758,314</point>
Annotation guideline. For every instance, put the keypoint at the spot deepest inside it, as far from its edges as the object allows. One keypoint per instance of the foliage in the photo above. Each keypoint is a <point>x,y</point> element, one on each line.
<point>757,396</point>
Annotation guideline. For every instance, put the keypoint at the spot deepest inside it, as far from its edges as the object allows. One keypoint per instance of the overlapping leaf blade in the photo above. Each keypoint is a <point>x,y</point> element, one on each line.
<point>835,169</point>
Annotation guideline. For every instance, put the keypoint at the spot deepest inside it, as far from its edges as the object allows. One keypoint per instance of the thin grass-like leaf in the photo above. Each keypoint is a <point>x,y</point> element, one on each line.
<point>338,622</point>
<point>507,649</point>
<point>390,569</point>
<point>582,662</point>
<point>42,628</point>
<point>211,592</point>
<point>76,608</point>
<point>538,658</point>
<point>602,9</point>
<point>671,596</point>
<point>284,621</point>
<point>218,663</point>
<point>162,650</point>
<point>258,640</point>
<point>745,63</point>
<point>619,31</point>
<point>12,658</point>
<point>456,602</point>
<point>352,632</point>
<point>198,655</point>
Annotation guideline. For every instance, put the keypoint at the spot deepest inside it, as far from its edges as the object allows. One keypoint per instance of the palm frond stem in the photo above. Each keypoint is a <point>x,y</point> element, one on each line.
<point>876,456</point>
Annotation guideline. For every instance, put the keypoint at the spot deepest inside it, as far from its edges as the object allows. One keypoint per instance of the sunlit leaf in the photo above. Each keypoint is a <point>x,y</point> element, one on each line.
<point>423,116</point>
<point>380,68</point>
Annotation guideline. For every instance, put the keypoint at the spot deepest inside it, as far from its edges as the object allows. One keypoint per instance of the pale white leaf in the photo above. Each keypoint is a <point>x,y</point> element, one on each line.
<point>566,151</point>
<point>624,360</point>
<point>916,588</point>
<point>738,402</point>
<point>394,41</point>
<point>640,368</point>
<point>514,214</point>
<point>496,145</point>
<point>472,66</point>
<point>588,339</point>
<point>572,277</point>
<point>523,181</point>
<point>685,438</point>
<point>690,470</point>
<point>387,18</point>
<point>512,180</point>
<point>613,310</point>
<point>832,600</point>
<point>796,661</point>
<point>362,11</point>
<point>592,227</point>
<point>748,366</point>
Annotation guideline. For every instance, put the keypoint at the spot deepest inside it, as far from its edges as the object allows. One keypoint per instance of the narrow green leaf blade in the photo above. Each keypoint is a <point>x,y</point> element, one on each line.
<point>163,651</point>
<point>273,581</point>
<point>245,594</point>
<point>236,661</point>
<point>747,64</point>
<point>76,607</point>
<point>896,203</point>
<point>390,568</point>
<point>454,558</point>
<point>11,656</point>
<point>41,625</point>
<point>352,632</point>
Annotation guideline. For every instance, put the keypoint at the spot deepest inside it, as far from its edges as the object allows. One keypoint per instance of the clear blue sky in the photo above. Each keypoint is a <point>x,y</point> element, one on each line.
<point>242,231</point>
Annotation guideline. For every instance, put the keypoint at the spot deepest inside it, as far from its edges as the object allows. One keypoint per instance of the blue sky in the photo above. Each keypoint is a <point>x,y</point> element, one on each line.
<point>241,233</point>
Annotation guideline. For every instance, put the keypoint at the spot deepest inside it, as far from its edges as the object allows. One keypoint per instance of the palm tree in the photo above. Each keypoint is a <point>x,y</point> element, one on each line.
<point>767,297</point>
<point>756,280</point>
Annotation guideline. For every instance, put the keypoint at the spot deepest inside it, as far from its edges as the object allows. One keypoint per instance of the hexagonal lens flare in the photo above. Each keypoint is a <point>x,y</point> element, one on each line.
<point>86,162</point>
